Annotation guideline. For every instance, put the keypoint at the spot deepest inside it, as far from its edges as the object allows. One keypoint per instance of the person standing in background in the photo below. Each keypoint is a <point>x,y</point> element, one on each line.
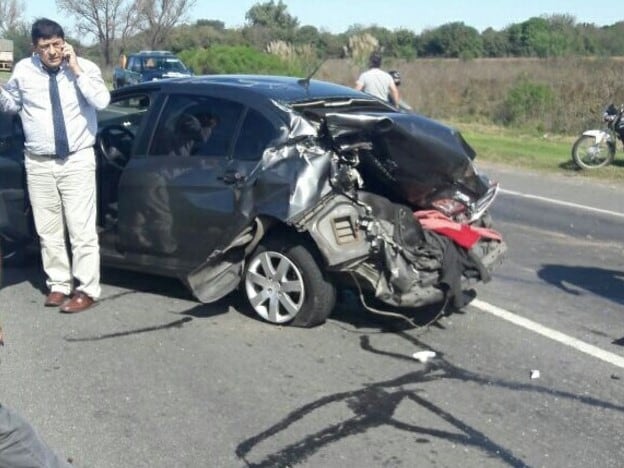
<point>123,59</point>
<point>377,82</point>
<point>56,95</point>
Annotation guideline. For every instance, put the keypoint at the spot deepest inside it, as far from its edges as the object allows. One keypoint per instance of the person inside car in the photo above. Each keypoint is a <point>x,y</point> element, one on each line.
<point>192,132</point>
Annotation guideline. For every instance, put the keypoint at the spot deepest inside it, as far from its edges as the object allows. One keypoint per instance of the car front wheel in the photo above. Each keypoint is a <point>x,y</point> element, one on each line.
<point>285,284</point>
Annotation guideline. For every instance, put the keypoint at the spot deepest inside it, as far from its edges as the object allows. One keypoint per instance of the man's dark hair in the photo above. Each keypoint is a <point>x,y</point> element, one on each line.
<point>188,126</point>
<point>375,60</point>
<point>45,28</point>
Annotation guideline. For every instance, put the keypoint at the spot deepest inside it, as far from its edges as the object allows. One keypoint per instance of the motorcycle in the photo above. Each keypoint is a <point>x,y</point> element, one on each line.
<point>596,148</point>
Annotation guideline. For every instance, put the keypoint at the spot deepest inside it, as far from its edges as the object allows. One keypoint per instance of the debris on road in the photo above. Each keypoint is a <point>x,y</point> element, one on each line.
<point>424,356</point>
<point>535,374</point>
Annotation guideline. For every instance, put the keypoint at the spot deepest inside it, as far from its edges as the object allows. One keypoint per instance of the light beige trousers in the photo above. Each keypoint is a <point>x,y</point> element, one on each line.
<point>63,199</point>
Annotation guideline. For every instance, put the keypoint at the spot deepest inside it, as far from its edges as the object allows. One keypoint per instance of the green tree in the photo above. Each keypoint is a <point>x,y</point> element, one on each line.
<point>453,40</point>
<point>405,44</point>
<point>307,35</point>
<point>331,45</point>
<point>238,59</point>
<point>271,15</point>
<point>611,39</point>
<point>269,21</point>
<point>495,43</point>
<point>529,38</point>
<point>565,39</point>
<point>553,36</point>
<point>204,35</point>
<point>159,17</point>
<point>216,24</point>
<point>536,35</point>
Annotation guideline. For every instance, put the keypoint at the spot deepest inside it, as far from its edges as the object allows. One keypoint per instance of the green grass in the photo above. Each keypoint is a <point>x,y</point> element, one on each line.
<point>547,153</point>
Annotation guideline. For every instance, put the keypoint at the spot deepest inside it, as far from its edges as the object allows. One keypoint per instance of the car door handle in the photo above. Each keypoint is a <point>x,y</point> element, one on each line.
<point>231,177</point>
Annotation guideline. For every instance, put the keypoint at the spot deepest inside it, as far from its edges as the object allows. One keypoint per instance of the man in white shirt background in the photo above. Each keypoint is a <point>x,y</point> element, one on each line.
<point>378,82</point>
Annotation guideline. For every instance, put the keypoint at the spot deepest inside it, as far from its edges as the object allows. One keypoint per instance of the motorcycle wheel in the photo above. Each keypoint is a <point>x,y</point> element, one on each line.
<point>587,154</point>
<point>284,284</point>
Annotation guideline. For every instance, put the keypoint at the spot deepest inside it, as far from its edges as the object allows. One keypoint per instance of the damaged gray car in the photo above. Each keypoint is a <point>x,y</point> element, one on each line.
<point>286,190</point>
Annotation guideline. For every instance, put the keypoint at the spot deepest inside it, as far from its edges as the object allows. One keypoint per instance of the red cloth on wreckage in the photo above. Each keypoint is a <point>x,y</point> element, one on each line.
<point>462,234</point>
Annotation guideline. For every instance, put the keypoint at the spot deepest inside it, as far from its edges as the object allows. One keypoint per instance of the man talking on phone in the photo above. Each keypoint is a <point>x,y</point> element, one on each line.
<point>56,95</point>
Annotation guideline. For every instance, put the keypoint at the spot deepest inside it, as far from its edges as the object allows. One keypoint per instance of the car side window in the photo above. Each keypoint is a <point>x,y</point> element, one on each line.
<point>256,134</point>
<point>196,126</point>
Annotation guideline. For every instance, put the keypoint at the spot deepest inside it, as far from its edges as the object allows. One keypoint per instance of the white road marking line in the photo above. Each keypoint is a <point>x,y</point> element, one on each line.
<point>562,203</point>
<point>555,335</point>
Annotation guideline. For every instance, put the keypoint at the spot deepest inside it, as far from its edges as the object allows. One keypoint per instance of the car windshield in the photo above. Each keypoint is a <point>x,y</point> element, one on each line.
<point>171,64</point>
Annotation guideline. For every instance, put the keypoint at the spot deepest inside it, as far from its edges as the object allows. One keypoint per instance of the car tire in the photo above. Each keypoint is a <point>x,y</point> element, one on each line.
<point>285,284</point>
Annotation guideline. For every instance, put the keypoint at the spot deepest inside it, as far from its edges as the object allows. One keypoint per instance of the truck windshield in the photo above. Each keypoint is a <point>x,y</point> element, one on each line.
<point>164,63</point>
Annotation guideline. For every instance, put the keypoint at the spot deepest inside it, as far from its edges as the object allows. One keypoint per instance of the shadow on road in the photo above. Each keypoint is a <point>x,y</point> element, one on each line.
<point>349,310</point>
<point>377,404</point>
<point>570,165</point>
<point>30,272</point>
<point>578,280</point>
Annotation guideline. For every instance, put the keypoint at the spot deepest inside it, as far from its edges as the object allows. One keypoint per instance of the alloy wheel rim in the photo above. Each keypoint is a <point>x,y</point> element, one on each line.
<point>275,287</point>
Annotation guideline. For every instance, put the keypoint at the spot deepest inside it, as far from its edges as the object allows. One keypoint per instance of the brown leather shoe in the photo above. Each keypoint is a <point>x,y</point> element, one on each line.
<point>79,302</point>
<point>55,299</point>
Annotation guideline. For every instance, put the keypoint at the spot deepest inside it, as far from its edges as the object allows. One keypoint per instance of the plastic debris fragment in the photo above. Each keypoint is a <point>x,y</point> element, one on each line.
<point>424,356</point>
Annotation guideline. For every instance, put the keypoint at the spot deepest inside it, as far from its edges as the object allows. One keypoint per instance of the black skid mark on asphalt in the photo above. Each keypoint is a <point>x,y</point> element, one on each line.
<point>375,404</point>
<point>175,324</point>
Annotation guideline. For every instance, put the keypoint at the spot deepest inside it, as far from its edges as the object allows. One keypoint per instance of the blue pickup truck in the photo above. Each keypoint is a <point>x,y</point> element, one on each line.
<point>149,65</point>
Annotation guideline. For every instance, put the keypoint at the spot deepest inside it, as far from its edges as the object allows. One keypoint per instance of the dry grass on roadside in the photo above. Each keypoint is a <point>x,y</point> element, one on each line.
<point>477,90</point>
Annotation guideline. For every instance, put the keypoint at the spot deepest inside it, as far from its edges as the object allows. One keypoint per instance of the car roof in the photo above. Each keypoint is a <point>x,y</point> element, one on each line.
<point>283,88</point>
<point>154,52</point>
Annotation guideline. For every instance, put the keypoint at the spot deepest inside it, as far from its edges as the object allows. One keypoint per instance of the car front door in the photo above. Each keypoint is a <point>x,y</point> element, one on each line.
<point>180,200</point>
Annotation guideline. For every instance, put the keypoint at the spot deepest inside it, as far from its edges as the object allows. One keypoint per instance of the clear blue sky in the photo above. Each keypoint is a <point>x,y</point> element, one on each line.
<point>416,15</point>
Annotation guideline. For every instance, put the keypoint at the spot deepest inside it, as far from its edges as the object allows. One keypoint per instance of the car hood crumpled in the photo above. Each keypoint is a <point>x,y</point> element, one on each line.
<point>412,156</point>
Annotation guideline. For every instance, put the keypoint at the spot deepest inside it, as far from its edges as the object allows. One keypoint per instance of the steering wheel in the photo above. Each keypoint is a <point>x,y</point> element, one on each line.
<point>115,144</point>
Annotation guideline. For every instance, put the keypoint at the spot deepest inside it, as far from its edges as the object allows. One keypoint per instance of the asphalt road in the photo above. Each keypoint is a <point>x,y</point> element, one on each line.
<point>151,378</point>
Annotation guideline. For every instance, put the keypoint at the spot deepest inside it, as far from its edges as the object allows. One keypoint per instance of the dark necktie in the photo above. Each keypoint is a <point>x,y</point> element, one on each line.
<point>60,132</point>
